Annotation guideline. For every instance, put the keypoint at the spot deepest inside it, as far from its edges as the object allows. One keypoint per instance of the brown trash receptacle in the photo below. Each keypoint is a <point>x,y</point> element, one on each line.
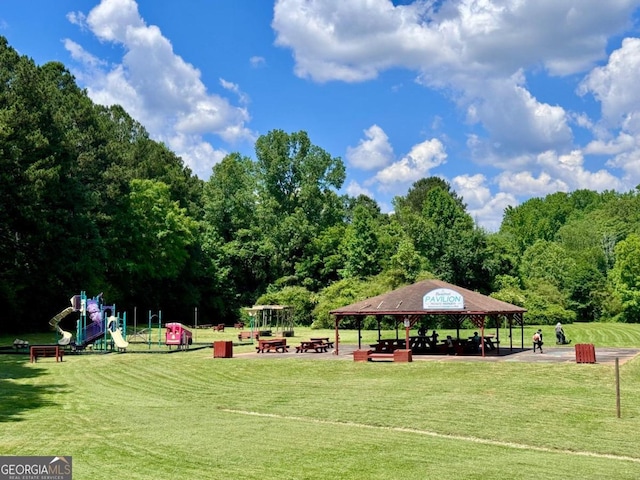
<point>222,349</point>
<point>585,353</point>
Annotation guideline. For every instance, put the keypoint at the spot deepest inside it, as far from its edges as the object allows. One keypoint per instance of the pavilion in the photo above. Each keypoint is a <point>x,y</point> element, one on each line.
<point>408,304</point>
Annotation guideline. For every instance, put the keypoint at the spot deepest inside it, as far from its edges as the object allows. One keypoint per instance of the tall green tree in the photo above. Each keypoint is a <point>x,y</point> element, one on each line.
<point>361,245</point>
<point>297,185</point>
<point>625,278</point>
<point>154,239</point>
<point>445,235</point>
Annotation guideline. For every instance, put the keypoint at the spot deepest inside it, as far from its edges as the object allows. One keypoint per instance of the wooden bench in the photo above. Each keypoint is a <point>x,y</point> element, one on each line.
<point>239,325</point>
<point>318,347</point>
<point>219,328</point>
<point>46,351</point>
<point>398,355</point>
<point>248,335</point>
<point>381,356</point>
<point>278,345</point>
<point>369,355</point>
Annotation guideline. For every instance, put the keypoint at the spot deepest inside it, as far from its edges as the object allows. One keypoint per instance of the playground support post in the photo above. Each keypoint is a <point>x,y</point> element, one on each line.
<point>195,315</point>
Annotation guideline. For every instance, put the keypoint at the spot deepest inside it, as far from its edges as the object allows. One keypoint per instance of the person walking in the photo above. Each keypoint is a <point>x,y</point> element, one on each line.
<point>537,341</point>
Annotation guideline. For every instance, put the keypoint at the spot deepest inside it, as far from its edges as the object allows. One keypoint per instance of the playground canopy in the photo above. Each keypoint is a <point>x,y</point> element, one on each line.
<point>430,298</point>
<point>266,317</point>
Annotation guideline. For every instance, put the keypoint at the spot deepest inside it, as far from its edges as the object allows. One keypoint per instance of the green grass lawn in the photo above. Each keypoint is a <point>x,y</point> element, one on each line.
<point>188,415</point>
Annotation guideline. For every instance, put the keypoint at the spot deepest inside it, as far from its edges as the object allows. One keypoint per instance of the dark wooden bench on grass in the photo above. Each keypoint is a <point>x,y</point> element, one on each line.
<point>239,325</point>
<point>278,345</point>
<point>219,327</point>
<point>246,335</point>
<point>46,351</point>
<point>306,346</point>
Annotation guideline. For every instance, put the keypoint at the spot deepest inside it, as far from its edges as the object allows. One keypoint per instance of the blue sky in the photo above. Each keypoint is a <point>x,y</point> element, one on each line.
<point>505,100</point>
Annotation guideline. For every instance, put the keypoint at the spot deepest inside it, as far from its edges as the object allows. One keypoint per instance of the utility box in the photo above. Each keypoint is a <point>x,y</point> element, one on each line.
<point>222,349</point>
<point>585,353</point>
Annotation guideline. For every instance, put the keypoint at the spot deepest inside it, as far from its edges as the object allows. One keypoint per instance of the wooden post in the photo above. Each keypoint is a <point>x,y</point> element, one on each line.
<point>617,388</point>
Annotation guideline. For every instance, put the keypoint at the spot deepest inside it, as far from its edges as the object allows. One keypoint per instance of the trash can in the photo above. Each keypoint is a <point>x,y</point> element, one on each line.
<point>222,349</point>
<point>585,353</point>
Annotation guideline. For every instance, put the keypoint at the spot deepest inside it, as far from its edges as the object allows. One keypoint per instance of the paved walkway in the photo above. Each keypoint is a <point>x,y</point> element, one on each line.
<point>552,354</point>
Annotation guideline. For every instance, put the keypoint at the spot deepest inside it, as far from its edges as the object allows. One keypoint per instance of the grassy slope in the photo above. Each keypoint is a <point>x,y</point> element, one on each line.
<point>188,415</point>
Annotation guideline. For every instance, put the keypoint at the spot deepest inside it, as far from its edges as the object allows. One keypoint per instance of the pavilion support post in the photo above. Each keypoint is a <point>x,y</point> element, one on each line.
<point>510,320</point>
<point>407,327</point>
<point>337,339</point>
<point>522,332</point>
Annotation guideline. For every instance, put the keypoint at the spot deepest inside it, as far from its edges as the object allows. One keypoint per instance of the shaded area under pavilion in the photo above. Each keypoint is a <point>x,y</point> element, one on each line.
<point>408,304</point>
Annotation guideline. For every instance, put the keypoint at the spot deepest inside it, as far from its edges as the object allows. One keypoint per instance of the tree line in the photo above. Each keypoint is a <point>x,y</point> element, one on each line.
<point>89,202</point>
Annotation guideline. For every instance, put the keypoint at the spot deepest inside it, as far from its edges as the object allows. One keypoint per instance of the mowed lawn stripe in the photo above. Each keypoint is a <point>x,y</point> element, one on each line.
<point>463,438</point>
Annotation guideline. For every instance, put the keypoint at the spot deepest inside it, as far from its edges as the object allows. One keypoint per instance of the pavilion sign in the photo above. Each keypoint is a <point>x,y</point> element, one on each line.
<point>443,299</point>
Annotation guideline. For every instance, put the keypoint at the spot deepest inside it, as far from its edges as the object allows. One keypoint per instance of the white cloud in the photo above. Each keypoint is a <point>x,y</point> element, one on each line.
<point>624,142</point>
<point>374,152</point>
<point>516,121</point>
<point>557,173</point>
<point>615,85</point>
<point>81,55</point>
<point>235,88</point>
<point>472,189</point>
<point>417,164</point>
<point>354,189</point>
<point>199,155</point>
<point>156,86</point>
<point>77,18</point>
<point>525,184</point>
<point>490,214</point>
<point>257,62</point>
<point>486,209</point>
<point>478,53</point>
<point>355,40</point>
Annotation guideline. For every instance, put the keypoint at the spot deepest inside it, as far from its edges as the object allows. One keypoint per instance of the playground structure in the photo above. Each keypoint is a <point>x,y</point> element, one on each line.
<point>178,334</point>
<point>265,318</point>
<point>96,319</point>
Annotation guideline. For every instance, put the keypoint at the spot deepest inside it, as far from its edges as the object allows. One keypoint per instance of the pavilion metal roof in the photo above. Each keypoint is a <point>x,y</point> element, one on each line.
<point>408,300</point>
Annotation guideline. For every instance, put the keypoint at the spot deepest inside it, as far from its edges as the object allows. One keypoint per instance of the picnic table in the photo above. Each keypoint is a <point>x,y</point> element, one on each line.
<point>490,342</point>
<point>272,345</point>
<point>312,345</point>
<point>324,340</point>
<point>421,343</point>
<point>388,345</point>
